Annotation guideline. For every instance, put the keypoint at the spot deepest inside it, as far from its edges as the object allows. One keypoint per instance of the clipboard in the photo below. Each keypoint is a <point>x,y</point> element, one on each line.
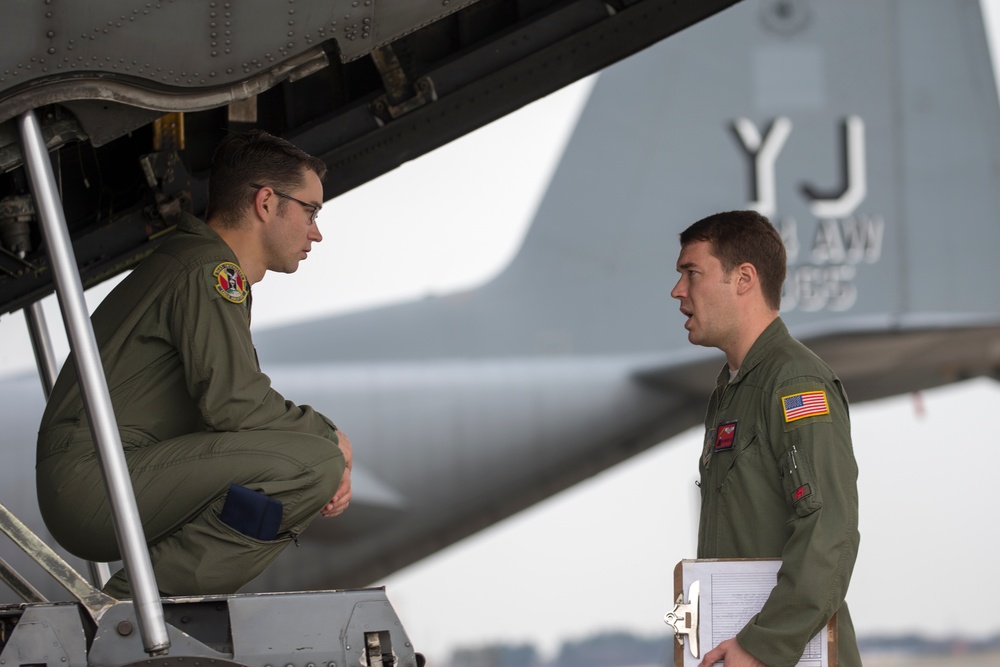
<point>715,598</point>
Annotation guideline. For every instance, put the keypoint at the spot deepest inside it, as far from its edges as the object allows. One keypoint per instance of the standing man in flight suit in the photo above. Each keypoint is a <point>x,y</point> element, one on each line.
<point>778,475</point>
<point>226,472</point>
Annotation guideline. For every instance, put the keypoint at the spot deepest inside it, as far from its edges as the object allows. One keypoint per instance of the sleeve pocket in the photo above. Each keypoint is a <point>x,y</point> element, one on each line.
<point>797,478</point>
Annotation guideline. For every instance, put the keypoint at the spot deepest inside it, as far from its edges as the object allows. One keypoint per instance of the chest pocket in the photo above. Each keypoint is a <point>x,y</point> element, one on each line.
<point>737,463</point>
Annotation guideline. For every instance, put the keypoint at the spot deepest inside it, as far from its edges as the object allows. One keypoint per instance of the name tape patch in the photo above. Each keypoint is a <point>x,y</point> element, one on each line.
<point>805,404</point>
<point>725,436</point>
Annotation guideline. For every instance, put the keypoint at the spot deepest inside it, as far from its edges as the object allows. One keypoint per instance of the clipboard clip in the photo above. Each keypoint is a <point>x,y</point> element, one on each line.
<point>684,617</point>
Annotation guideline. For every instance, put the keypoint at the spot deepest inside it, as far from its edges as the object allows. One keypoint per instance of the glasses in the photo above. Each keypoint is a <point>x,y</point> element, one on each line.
<point>311,208</point>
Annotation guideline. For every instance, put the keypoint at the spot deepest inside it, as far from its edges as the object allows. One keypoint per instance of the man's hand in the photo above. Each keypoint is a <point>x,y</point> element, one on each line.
<point>342,497</point>
<point>731,654</point>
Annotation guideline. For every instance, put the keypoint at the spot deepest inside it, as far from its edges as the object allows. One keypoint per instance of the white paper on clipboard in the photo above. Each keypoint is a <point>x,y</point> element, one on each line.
<point>730,593</point>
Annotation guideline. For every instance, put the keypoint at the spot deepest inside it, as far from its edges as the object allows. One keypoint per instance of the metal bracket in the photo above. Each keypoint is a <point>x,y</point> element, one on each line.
<point>378,650</point>
<point>684,617</point>
<point>166,176</point>
<point>400,96</point>
<point>168,132</point>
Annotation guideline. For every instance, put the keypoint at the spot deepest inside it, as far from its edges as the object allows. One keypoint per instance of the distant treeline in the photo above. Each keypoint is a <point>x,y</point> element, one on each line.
<point>621,649</point>
<point>610,649</point>
<point>917,645</point>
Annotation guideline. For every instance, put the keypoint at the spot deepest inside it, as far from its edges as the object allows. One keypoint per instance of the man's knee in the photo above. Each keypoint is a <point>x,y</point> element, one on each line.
<point>316,482</point>
<point>328,474</point>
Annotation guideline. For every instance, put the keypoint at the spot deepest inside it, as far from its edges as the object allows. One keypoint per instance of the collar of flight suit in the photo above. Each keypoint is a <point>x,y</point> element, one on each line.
<point>775,332</point>
<point>192,225</point>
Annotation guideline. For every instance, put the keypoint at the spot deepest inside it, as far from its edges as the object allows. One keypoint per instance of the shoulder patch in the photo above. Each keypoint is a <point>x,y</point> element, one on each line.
<point>805,404</point>
<point>230,282</point>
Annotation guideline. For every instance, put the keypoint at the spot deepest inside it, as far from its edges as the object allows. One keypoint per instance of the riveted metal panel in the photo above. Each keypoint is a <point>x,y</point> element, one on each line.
<point>395,18</point>
<point>317,629</point>
<point>204,53</point>
<point>47,634</point>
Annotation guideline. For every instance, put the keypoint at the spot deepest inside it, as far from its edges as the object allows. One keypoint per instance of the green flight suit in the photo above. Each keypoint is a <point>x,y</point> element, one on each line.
<point>779,480</point>
<point>195,414</point>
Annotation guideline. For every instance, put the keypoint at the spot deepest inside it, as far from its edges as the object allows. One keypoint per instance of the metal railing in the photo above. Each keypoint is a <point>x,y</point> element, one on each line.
<point>93,386</point>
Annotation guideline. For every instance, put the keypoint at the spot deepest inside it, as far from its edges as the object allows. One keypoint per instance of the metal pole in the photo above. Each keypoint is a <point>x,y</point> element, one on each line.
<point>45,357</point>
<point>19,584</point>
<point>45,360</point>
<point>94,387</point>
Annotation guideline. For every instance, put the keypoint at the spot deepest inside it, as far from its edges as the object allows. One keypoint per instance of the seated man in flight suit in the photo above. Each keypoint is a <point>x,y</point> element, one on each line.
<point>226,472</point>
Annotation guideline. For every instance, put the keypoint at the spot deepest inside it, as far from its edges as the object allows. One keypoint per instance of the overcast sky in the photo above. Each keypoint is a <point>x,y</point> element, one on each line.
<point>601,555</point>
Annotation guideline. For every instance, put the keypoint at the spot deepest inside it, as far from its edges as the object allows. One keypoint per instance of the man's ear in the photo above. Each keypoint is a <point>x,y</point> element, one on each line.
<point>263,203</point>
<point>746,277</point>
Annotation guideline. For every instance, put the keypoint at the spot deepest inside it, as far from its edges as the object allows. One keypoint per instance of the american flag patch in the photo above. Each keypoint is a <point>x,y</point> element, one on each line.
<point>806,404</point>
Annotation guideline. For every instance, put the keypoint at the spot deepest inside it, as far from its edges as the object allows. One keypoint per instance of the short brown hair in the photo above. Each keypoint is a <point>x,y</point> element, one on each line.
<point>254,157</point>
<point>745,236</point>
